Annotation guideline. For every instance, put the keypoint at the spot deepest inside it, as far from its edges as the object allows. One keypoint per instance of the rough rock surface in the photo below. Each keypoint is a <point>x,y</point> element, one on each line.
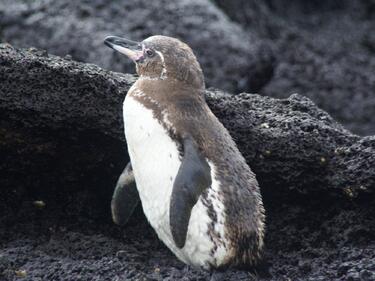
<point>324,50</point>
<point>61,142</point>
<point>232,59</point>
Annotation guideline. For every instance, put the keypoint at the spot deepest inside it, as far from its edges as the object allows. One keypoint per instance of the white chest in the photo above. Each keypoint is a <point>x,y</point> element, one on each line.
<point>155,160</point>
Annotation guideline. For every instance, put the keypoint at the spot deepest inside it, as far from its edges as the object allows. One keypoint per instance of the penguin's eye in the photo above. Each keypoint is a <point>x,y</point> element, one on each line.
<point>150,53</point>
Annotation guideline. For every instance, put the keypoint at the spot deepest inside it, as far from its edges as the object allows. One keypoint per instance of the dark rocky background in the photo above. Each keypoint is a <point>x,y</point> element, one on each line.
<point>61,139</point>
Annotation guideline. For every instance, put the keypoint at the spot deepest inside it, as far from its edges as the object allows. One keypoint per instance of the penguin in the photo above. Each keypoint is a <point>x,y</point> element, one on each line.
<point>196,189</point>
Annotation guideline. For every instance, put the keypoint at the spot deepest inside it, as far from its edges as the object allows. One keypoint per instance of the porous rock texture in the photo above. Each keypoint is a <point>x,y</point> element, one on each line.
<point>321,49</point>
<point>324,50</point>
<point>231,59</point>
<point>61,142</point>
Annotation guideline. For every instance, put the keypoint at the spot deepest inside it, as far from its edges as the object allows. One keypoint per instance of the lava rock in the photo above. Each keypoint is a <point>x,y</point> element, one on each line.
<point>231,59</point>
<point>292,143</point>
<point>289,143</point>
<point>324,50</point>
<point>61,142</point>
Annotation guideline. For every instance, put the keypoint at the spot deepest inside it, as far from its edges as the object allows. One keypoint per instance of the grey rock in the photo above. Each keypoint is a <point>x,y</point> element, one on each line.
<point>324,50</point>
<point>61,141</point>
<point>231,58</point>
<point>289,142</point>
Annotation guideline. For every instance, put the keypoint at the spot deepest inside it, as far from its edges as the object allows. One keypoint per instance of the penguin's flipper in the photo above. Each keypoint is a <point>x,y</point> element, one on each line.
<point>193,177</point>
<point>125,197</point>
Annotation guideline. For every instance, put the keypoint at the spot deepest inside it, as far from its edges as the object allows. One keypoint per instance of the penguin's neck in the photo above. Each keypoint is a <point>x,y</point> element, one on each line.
<point>169,90</point>
<point>178,101</point>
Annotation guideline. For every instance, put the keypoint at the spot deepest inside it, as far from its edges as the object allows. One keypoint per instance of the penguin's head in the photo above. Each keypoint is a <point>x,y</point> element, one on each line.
<point>161,58</point>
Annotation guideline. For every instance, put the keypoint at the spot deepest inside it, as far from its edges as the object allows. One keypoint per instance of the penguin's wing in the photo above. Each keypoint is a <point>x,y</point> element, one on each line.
<point>125,197</point>
<point>193,177</point>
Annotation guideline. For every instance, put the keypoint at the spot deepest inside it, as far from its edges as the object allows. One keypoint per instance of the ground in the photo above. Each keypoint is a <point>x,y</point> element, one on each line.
<point>62,145</point>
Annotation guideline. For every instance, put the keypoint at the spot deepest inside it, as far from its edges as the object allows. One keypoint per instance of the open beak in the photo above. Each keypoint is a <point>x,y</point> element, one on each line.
<point>127,47</point>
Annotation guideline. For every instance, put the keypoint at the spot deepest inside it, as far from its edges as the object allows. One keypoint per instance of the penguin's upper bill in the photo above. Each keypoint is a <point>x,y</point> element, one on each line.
<point>127,47</point>
<point>161,57</point>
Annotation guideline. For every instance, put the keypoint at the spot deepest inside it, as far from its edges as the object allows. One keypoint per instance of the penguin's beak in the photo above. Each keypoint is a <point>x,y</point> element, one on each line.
<point>127,47</point>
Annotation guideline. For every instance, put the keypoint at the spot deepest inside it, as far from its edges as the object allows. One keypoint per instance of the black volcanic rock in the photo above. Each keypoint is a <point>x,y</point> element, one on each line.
<point>294,144</point>
<point>61,142</point>
<point>289,142</point>
<point>231,59</point>
<point>324,50</point>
